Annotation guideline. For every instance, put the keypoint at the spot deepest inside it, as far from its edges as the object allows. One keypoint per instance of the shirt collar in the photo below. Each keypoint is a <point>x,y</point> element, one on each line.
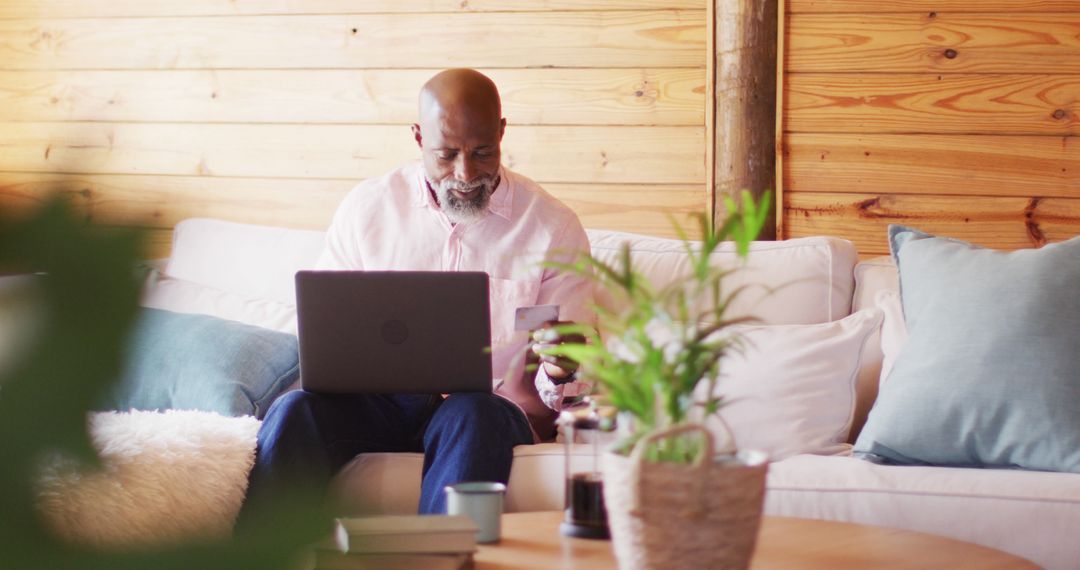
<point>501,203</point>
<point>421,197</point>
<point>502,200</point>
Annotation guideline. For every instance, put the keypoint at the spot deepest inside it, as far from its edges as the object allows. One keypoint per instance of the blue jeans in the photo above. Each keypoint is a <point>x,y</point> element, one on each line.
<point>305,438</point>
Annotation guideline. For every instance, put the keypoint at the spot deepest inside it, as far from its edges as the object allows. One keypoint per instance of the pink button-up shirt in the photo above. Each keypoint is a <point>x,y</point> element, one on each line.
<point>394,223</point>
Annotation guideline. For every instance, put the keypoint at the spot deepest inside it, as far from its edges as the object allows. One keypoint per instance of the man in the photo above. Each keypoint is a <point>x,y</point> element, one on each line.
<point>458,210</point>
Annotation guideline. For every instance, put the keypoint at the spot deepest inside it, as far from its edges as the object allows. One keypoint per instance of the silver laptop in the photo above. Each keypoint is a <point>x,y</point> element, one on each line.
<point>393,332</point>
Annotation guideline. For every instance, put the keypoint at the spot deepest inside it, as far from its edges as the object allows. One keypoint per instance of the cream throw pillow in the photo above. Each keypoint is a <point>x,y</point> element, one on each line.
<point>792,389</point>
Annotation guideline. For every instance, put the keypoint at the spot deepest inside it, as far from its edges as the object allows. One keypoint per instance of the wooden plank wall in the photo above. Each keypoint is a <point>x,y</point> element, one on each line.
<point>955,116</point>
<point>150,111</point>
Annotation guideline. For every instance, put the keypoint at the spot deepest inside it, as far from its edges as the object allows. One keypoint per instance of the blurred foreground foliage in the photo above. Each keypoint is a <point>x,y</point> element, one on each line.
<point>88,303</point>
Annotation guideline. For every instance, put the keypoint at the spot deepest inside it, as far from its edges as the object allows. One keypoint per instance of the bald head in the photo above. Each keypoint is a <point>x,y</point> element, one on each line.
<point>459,131</point>
<point>461,91</point>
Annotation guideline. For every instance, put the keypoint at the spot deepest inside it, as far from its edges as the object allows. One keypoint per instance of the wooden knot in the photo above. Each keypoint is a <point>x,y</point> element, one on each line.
<point>951,53</point>
<point>1060,114</point>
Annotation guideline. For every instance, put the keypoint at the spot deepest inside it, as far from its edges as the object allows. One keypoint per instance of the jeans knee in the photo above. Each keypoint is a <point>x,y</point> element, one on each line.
<point>288,401</point>
<point>292,408</point>
<point>480,415</point>
<point>474,405</point>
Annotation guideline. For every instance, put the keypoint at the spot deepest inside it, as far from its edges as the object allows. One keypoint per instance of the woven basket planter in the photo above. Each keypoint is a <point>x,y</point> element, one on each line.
<point>667,516</point>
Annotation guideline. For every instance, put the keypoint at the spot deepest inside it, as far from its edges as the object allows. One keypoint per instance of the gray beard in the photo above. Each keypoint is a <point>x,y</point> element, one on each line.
<point>463,210</point>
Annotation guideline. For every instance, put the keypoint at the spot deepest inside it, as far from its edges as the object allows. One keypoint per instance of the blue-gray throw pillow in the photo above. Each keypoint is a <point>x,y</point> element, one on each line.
<point>990,374</point>
<point>199,362</point>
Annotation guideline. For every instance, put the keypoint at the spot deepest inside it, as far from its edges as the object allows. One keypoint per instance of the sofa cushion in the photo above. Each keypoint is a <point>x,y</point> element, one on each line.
<point>893,330</point>
<point>1027,513</point>
<point>390,482</point>
<point>797,281</point>
<point>871,277</point>
<point>198,362</point>
<point>250,260</point>
<point>988,376</point>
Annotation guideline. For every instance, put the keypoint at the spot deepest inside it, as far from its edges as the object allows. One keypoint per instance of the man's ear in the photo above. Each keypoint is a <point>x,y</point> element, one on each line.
<point>420,138</point>
<point>502,128</point>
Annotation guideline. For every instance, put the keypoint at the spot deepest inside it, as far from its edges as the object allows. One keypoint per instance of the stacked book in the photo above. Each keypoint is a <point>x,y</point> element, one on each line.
<point>393,542</point>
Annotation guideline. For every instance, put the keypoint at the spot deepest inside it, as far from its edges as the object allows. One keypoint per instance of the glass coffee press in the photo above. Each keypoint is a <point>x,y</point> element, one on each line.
<point>585,431</point>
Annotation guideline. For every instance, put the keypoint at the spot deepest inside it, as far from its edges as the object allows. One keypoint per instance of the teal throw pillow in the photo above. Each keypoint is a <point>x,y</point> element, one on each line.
<point>990,374</point>
<point>199,362</point>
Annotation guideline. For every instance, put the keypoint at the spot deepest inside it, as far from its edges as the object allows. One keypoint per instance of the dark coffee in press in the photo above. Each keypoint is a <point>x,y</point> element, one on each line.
<point>584,431</point>
<point>586,492</point>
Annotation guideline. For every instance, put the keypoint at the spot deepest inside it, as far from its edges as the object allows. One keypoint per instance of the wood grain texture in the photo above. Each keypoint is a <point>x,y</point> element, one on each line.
<point>935,43</point>
<point>530,96</point>
<point>780,123</point>
<point>531,541</point>
<point>147,112</point>
<point>635,39</point>
<point>920,103</point>
<point>746,62</point>
<point>711,132</point>
<point>933,164</point>
<point>637,208</point>
<point>958,117</point>
<point>146,8</point>
<point>157,244</point>
<point>637,155</point>
<point>160,202</point>
<point>996,222</point>
<point>927,6</point>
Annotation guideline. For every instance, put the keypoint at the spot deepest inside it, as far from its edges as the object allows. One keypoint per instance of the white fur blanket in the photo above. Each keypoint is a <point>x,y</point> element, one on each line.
<point>168,477</point>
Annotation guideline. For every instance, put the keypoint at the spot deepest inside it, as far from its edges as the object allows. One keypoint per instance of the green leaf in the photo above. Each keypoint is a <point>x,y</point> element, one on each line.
<point>89,298</point>
<point>655,379</point>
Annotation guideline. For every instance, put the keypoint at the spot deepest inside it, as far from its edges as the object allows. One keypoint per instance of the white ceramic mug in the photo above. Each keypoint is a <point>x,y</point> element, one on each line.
<point>482,502</point>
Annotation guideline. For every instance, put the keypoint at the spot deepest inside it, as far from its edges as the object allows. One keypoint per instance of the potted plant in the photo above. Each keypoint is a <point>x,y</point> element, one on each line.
<point>673,500</point>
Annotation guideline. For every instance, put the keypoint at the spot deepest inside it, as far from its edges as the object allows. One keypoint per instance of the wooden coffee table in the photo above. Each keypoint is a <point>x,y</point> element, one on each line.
<point>532,540</point>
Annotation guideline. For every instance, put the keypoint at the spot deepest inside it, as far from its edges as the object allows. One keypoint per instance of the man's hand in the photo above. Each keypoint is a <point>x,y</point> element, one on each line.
<point>558,368</point>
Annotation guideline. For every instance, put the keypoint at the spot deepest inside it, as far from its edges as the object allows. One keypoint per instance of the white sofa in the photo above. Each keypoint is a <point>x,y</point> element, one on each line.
<point>244,272</point>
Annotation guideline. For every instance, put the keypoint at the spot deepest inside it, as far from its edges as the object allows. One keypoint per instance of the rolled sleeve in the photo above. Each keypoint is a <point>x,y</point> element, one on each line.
<point>560,396</point>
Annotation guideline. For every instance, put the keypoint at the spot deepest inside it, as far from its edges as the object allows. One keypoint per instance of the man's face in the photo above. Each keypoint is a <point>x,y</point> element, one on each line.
<point>461,156</point>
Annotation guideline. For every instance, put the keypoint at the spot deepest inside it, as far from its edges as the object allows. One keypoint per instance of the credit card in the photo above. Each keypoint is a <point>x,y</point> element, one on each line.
<point>530,318</point>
